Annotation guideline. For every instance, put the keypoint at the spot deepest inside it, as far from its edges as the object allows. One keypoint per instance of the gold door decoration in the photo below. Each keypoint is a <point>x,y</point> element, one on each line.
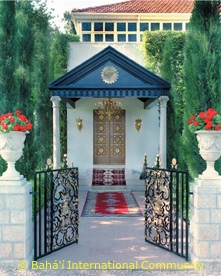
<point>109,139</point>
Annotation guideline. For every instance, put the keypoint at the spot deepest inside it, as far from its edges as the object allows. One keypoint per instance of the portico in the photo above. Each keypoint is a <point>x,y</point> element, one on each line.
<point>142,94</point>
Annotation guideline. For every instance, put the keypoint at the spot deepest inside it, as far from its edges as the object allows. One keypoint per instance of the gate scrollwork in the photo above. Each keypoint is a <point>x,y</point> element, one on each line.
<point>157,207</point>
<point>65,217</point>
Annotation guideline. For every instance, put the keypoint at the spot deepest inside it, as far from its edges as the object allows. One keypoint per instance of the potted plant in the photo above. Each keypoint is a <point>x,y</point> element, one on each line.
<point>207,126</point>
<point>13,128</point>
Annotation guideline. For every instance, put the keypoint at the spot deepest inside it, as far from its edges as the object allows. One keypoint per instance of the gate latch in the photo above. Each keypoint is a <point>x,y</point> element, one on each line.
<point>190,193</point>
<point>32,193</point>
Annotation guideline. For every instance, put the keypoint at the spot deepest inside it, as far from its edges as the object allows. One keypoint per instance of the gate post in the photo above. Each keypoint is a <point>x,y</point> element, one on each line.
<point>16,227</point>
<point>205,221</point>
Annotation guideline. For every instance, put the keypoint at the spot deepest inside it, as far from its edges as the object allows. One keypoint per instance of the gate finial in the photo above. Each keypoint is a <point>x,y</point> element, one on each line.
<point>145,163</point>
<point>49,163</point>
<point>158,162</point>
<point>174,163</point>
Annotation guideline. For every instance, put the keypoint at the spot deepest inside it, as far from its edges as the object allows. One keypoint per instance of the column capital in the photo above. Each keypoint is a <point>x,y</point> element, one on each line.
<point>55,101</point>
<point>163,101</point>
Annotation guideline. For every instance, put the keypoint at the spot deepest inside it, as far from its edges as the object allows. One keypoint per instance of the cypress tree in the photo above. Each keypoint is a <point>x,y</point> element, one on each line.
<point>202,70</point>
<point>8,93</point>
<point>43,74</point>
<point>25,42</point>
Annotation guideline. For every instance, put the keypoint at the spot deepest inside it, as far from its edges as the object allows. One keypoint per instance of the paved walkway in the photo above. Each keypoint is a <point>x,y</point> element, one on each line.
<point>114,243</point>
<point>117,240</point>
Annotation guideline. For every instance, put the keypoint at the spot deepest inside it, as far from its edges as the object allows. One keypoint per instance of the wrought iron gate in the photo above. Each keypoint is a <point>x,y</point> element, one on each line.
<point>167,209</point>
<point>56,215</point>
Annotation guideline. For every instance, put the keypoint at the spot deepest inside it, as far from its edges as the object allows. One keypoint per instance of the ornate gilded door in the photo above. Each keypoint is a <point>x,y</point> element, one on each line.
<point>109,139</point>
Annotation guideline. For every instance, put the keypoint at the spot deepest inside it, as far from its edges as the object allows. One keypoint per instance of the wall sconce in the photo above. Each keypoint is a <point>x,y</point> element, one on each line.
<point>79,124</point>
<point>138,124</point>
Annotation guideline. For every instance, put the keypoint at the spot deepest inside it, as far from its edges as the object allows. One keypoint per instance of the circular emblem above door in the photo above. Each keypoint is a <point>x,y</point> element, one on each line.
<point>109,74</point>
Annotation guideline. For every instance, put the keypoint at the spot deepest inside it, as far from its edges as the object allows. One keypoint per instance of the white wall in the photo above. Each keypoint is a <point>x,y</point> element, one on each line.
<point>80,144</point>
<point>81,51</point>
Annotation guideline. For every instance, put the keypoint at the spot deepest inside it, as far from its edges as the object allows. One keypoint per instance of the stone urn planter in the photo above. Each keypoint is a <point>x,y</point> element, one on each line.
<point>209,142</point>
<point>11,147</point>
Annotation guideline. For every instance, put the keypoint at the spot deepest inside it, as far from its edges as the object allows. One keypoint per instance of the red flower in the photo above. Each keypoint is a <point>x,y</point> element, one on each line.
<point>18,112</point>
<point>16,127</point>
<point>22,117</point>
<point>14,122</point>
<point>191,119</point>
<point>206,120</point>
<point>202,115</point>
<point>195,123</point>
<point>212,111</point>
<point>4,126</point>
<point>217,128</point>
<point>11,119</point>
<point>23,128</point>
<point>209,125</point>
<point>29,126</point>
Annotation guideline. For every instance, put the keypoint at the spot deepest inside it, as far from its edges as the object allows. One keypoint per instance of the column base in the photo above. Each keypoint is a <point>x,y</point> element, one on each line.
<point>19,181</point>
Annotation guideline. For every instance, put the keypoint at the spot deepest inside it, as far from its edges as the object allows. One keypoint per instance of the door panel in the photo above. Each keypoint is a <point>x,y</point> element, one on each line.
<point>109,139</point>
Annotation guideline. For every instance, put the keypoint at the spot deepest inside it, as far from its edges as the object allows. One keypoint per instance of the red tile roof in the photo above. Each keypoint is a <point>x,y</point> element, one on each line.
<point>143,6</point>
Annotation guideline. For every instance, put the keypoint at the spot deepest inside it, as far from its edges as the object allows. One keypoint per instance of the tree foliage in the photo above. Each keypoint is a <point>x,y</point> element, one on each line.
<point>164,55</point>
<point>32,54</point>
<point>25,73</point>
<point>202,72</point>
<point>69,27</point>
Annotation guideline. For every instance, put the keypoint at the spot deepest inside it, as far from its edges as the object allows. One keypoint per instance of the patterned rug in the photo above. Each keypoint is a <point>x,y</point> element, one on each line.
<point>111,204</point>
<point>108,177</point>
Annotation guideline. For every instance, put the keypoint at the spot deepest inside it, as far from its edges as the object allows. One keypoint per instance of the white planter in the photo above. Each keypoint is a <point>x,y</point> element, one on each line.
<point>11,147</point>
<point>209,142</point>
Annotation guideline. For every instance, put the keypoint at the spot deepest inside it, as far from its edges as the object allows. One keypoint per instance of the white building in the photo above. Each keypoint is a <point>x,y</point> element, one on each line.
<point>108,63</point>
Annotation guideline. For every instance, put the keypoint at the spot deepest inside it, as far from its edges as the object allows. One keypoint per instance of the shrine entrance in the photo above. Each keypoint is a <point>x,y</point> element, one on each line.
<point>109,139</point>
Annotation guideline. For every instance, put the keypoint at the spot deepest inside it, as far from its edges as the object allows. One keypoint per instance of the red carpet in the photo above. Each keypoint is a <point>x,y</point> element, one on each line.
<point>108,177</point>
<point>108,204</point>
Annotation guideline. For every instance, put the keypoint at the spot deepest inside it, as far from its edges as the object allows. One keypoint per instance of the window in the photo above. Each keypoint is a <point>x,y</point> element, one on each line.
<point>109,37</point>
<point>121,27</point>
<point>132,27</point>
<point>144,27</point>
<point>121,38</point>
<point>167,26</point>
<point>86,37</point>
<point>187,26</point>
<point>132,37</point>
<point>155,26</point>
<point>98,26</point>
<point>98,38</point>
<point>86,26</point>
<point>109,27</point>
<point>177,26</point>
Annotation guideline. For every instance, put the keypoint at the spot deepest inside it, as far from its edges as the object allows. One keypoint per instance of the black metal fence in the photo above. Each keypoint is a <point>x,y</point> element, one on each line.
<point>167,209</point>
<point>56,215</point>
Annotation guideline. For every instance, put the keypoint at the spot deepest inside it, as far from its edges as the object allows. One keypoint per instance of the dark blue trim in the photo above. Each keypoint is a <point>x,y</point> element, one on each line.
<point>85,81</point>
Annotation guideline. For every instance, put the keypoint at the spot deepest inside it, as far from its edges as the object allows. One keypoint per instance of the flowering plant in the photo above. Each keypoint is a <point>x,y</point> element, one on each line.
<point>16,122</point>
<point>208,120</point>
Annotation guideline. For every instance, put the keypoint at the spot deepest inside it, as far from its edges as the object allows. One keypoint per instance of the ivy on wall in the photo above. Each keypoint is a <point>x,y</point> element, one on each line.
<point>60,54</point>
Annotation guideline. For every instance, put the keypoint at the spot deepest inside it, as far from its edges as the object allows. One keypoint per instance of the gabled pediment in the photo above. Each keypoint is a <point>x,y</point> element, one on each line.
<point>109,74</point>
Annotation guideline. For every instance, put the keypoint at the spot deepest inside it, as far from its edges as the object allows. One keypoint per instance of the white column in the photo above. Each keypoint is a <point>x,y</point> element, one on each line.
<point>56,132</point>
<point>163,130</point>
